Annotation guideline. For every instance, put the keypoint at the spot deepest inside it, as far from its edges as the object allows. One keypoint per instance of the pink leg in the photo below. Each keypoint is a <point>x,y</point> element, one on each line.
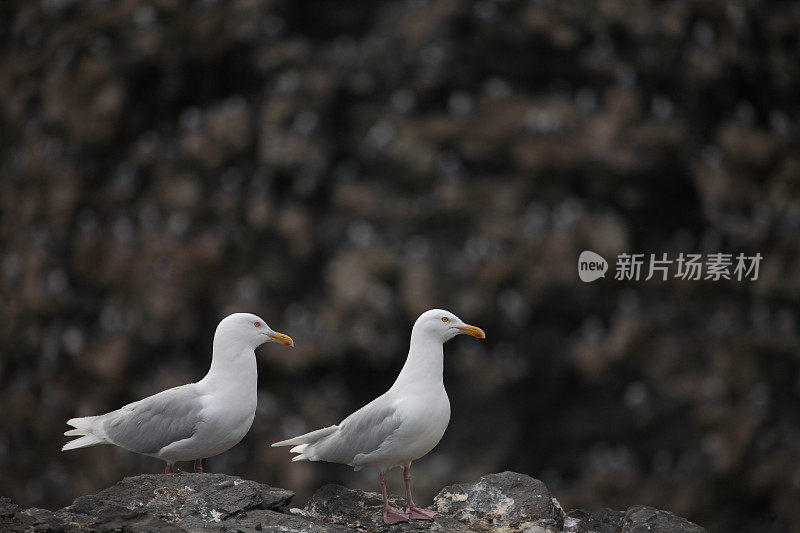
<point>170,468</point>
<point>390,516</point>
<point>198,466</point>
<point>412,510</point>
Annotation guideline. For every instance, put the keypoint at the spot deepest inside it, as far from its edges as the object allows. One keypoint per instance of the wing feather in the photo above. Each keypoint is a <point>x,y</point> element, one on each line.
<point>149,425</point>
<point>360,434</point>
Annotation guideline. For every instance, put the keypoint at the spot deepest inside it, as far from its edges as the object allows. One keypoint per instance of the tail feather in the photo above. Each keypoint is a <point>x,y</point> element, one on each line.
<point>83,422</point>
<point>308,438</point>
<point>83,430</point>
<point>83,442</point>
<point>303,443</point>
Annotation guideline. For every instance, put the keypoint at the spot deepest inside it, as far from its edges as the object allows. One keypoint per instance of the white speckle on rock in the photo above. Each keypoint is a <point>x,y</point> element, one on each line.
<point>528,528</point>
<point>295,510</point>
<point>216,516</point>
<point>504,505</point>
<point>461,497</point>
<point>134,504</point>
<point>572,524</point>
<point>557,505</point>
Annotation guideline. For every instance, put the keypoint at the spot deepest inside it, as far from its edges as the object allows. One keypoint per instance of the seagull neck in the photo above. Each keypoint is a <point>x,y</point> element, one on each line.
<point>232,363</point>
<point>425,361</point>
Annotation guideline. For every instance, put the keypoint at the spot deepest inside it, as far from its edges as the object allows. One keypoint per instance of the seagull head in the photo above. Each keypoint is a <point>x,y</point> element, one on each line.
<point>250,329</point>
<point>444,325</point>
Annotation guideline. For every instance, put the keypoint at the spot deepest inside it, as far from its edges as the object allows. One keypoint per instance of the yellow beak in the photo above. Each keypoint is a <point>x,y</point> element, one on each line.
<point>286,340</point>
<point>475,331</point>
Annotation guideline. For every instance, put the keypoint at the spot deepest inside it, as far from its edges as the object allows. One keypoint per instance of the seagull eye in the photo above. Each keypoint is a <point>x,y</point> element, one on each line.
<point>445,319</point>
<point>257,324</point>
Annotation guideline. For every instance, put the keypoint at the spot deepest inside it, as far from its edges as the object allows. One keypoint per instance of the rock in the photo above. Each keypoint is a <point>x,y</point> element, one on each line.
<point>285,523</point>
<point>362,511</point>
<point>602,521</point>
<point>640,519</point>
<point>637,519</point>
<point>216,495</point>
<point>180,502</point>
<point>7,507</point>
<point>508,502</point>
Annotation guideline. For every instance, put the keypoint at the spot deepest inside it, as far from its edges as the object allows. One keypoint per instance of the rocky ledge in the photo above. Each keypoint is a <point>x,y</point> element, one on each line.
<point>507,502</point>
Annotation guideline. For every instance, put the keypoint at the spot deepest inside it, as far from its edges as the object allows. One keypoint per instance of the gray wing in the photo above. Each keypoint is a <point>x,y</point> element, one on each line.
<point>148,425</point>
<point>360,434</point>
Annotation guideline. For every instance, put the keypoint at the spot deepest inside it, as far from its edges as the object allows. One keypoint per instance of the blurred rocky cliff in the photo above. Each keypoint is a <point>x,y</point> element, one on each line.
<point>339,167</point>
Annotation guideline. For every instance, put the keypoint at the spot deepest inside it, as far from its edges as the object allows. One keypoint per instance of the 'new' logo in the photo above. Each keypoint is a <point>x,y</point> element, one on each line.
<point>591,266</point>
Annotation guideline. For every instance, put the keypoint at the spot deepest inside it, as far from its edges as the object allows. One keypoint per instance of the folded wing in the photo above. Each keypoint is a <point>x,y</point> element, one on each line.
<point>358,438</point>
<point>145,426</point>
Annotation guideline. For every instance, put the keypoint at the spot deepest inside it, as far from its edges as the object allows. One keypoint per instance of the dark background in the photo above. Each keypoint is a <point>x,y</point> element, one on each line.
<point>340,167</point>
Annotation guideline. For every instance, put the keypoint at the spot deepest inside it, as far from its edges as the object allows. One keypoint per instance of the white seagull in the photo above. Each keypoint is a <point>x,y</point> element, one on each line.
<point>193,421</point>
<point>401,425</point>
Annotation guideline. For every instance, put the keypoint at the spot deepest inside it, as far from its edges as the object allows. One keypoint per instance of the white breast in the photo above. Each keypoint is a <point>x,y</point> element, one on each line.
<point>425,419</point>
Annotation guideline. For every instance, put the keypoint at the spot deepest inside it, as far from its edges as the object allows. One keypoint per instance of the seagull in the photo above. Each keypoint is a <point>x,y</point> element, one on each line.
<point>401,425</point>
<point>193,421</point>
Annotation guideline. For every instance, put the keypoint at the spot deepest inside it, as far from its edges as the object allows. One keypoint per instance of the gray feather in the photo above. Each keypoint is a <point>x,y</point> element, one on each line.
<point>149,425</point>
<point>360,434</point>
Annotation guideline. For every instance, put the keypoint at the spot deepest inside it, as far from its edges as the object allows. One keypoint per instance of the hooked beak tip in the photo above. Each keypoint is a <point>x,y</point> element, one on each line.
<point>474,331</point>
<point>280,338</point>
